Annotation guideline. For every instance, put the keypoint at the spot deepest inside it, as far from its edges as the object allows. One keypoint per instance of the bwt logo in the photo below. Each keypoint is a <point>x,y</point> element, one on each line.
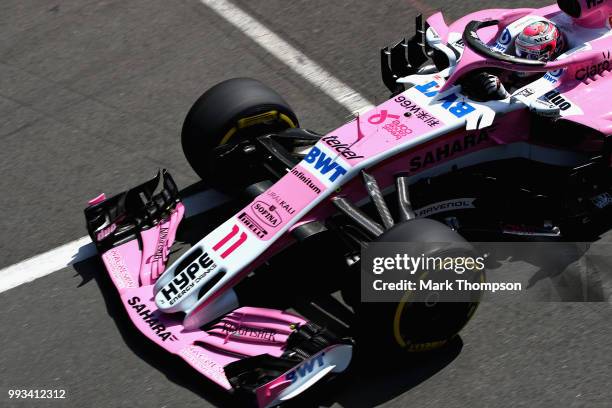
<point>306,368</point>
<point>324,165</point>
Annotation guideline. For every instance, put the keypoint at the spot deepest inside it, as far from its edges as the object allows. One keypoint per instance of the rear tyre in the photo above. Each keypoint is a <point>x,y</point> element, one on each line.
<point>228,113</point>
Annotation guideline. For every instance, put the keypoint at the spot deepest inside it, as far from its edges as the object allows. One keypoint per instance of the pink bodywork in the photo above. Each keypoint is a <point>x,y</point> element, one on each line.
<point>385,127</point>
<point>134,270</point>
<point>244,332</point>
<point>370,135</point>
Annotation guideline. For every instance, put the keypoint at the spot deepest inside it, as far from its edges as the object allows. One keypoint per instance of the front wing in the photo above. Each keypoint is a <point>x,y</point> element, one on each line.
<point>271,354</point>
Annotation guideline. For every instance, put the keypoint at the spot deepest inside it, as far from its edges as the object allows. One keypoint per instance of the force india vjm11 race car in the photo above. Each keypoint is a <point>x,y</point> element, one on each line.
<point>435,163</point>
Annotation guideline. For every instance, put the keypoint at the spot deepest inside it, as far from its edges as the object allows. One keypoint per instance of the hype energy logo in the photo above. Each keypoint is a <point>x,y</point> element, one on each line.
<point>182,283</point>
<point>324,165</point>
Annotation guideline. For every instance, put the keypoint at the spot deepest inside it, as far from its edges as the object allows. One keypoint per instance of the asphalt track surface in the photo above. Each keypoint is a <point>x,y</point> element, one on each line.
<point>92,98</point>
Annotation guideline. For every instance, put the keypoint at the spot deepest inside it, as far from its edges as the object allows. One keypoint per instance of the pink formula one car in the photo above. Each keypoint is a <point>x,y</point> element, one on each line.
<point>527,158</point>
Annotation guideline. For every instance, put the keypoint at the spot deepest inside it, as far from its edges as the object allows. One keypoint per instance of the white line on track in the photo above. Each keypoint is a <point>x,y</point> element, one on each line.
<point>294,59</point>
<point>81,249</point>
<point>76,251</point>
<point>46,263</point>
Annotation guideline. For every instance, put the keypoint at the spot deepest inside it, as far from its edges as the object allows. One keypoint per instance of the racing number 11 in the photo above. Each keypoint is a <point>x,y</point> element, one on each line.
<point>235,230</point>
<point>459,109</point>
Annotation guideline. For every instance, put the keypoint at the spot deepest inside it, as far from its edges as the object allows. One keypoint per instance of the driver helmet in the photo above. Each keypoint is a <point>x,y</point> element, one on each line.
<point>541,40</point>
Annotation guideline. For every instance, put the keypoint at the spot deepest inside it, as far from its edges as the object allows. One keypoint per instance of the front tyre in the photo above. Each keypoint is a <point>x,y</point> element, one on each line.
<point>228,113</point>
